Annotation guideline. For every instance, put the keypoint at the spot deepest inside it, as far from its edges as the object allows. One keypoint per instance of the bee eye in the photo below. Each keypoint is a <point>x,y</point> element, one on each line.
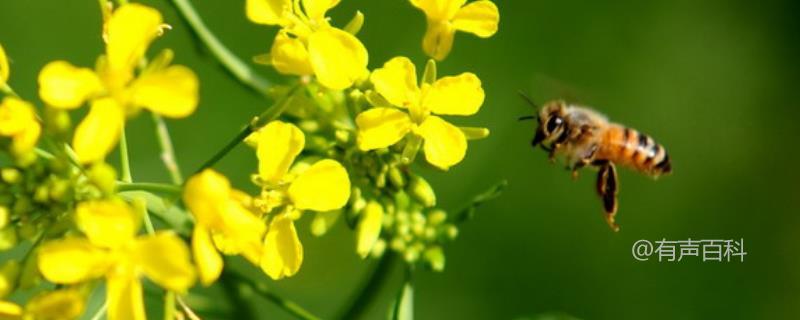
<point>553,123</point>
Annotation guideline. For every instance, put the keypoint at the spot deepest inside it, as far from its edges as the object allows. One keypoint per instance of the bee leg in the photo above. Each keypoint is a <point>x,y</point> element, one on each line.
<point>586,159</point>
<point>552,152</point>
<point>607,188</point>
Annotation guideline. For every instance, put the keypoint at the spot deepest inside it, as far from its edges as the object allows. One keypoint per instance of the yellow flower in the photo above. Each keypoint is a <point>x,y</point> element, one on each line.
<point>113,90</point>
<point>57,304</point>
<point>444,144</point>
<point>112,250</point>
<point>4,70</point>
<point>321,186</point>
<point>18,122</point>
<point>307,44</point>
<point>222,223</point>
<point>445,17</point>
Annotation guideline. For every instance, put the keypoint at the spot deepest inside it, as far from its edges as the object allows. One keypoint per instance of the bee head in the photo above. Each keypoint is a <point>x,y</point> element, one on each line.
<point>551,122</point>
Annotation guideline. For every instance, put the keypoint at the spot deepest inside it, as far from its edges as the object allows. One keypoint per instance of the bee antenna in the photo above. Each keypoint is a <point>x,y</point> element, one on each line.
<point>523,118</point>
<point>528,99</point>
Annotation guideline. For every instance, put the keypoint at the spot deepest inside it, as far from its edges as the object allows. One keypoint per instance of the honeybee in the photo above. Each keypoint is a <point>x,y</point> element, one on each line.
<point>586,138</point>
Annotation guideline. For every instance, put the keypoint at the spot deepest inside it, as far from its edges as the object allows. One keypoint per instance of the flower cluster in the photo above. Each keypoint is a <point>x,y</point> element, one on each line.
<point>340,143</point>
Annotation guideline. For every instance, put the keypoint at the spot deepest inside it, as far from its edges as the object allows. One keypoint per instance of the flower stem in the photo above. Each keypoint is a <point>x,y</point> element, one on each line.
<point>125,162</point>
<point>5,88</point>
<point>167,150</point>
<point>272,113</point>
<point>149,187</point>
<point>262,290</point>
<point>169,305</point>
<point>371,287</point>
<point>231,62</point>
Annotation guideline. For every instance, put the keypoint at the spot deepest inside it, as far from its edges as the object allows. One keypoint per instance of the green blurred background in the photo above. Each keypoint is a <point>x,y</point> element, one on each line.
<point>715,81</point>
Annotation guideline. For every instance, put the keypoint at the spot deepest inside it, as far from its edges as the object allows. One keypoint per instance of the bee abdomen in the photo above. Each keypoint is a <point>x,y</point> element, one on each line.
<point>629,147</point>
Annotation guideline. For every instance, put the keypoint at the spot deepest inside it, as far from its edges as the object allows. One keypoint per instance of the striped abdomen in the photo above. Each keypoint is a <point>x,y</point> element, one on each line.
<point>626,146</point>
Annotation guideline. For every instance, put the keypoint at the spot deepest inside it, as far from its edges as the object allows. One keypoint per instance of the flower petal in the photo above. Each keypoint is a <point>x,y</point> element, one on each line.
<point>290,56</point>
<point>445,144</point>
<point>130,30</point>
<point>170,92</point>
<point>369,228</point>
<point>206,194</point>
<point>438,40</point>
<point>107,223</point>
<point>71,260</point>
<point>99,131</point>
<point>269,12</point>
<point>381,127</point>
<point>58,304</point>
<point>439,9</point>
<point>243,231</point>
<point>479,18</point>
<point>64,86</point>
<point>459,95</point>
<point>208,260</point>
<point>283,252</point>
<point>338,58</point>
<point>164,258</point>
<point>279,143</point>
<point>26,140</point>
<point>316,9</point>
<point>397,82</point>
<point>15,116</point>
<point>124,297</point>
<point>322,187</point>
<point>10,310</point>
<point>4,69</point>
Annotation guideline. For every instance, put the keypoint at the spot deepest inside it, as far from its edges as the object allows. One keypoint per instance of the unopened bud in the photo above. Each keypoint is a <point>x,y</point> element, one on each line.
<point>9,272</point>
<point>421,191</point>
<point>8,238</point>
<point>435,258</point>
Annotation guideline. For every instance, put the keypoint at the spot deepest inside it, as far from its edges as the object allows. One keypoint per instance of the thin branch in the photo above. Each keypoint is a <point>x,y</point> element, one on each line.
<point>262,290</point>
<point>160,188</point>
<point>231,62</point>
<point>167,150</point>
<point>125,162</point>
<point>371,287</point>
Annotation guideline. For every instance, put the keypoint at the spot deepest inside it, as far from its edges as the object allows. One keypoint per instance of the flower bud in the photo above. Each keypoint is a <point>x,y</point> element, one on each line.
<point>437,217</point>
<point>435,258</point>
<point>4,217</point>
<point>396,177</point>
<point>9,272</point>
<point>10,175</point>
<point>104,177</point>
<point>421,191</point>
<point>8,238</point>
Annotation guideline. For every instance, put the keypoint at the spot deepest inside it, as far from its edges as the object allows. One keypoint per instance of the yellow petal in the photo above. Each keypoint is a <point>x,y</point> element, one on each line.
<point>397,82</point>
<point>479,18</point>
<point>290,56</point>
<point>4,69</point>
<point>458,95</point>
<point>206,194</point>
<point>438,40</point>
<point>283,252</point>
<point>208,260</point>
<point>439,9</point>
<point>381,127</point>
<point>130,29</point>
<point>369,228</point>
<point>10,310</point>
<point>124,297</point>
<point>171,92</point>
<point>316,9</point>
<point>445,144</point>
<point>15,116</point>
<point>322,187</point>
<point>99,131</point>
<point>278,145</point>
<point>71,260</point>
<point>58,304</point>
<point>26,140</point>
<point>243,231</point>
<point>164,258</point>
<point>269,12</point>
<point>107,223</point>
<point>64,86</point>
<point>337,57</point>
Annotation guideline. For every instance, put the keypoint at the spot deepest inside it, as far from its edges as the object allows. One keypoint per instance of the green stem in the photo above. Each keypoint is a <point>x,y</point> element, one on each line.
<point>231,62</point>
<point>5,88</point>
<point>371,287</point>
<point>169,305</point>
<point>167,150</point>
<point>100,312</point>
<point>262,290</point>
<point>272,113</point>
<point>125,162</point>
<point>161,188</point>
